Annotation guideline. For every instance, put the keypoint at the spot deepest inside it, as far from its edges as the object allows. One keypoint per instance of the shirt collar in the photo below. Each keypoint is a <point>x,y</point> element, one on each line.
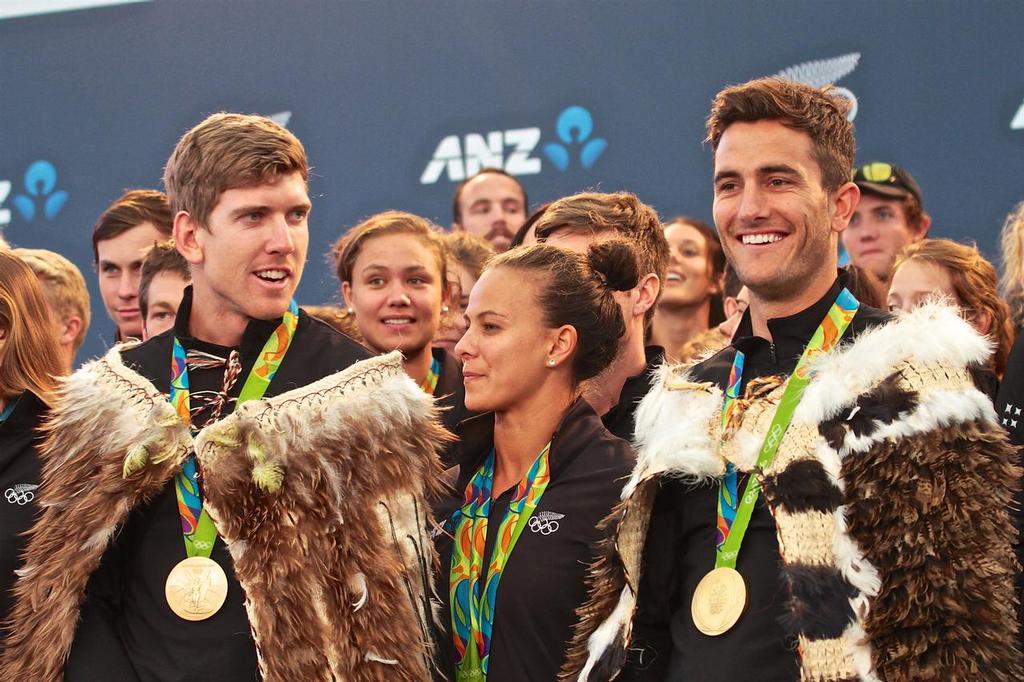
<point>253,338</point>
<point>790,334</point>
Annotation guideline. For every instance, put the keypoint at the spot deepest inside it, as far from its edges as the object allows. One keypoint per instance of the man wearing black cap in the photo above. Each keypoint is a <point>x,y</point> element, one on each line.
<point>889,216</point>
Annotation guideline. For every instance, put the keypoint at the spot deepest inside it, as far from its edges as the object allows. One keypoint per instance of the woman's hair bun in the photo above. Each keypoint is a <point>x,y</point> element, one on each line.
<point>614,264</point>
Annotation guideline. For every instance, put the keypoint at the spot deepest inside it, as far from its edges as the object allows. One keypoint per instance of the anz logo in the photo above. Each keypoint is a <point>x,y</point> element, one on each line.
<point>40,198</point>
<point>513,150</point>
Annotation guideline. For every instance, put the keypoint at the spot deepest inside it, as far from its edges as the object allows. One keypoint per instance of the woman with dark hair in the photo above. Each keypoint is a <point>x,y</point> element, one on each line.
<point>393,269</point>
<point>691,296</point>
<point>538,471</point>
<point>467,254</point>
<point>30,360</point>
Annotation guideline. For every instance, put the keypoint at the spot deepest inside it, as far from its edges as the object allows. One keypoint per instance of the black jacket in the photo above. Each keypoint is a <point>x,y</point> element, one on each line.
<point>451,398</point>
<point>19,478</point>
<point>621,419</point>
<point>543,582</point>
<point>127,630</point>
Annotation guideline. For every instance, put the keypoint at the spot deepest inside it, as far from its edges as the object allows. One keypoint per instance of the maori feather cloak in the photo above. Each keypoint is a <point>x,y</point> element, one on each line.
<point>319,494</point>
<point>890,493</point>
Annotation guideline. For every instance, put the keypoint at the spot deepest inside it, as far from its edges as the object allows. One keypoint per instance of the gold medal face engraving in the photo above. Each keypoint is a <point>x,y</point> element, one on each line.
<point>718,601</point>
<point>196,588</point>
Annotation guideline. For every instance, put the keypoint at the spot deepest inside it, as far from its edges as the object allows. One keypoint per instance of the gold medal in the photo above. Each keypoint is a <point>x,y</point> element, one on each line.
<point>719,601</point>
<point>196,588</point>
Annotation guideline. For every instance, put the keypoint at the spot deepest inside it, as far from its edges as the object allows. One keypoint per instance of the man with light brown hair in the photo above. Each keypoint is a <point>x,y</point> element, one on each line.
<point>66,295</point>
<point>576,222</point>
<point>301,552</point>
<point>120,239</point>
<point>800,505</point>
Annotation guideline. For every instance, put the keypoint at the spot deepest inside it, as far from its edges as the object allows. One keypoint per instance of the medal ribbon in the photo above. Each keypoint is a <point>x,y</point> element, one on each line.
<point>197,527</point>
<point>734,514</point>
<point>473,607</point>
<point>430,382</point>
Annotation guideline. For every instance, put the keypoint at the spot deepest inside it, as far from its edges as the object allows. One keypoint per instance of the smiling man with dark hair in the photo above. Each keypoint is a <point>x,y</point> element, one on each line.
<point>798,507</point>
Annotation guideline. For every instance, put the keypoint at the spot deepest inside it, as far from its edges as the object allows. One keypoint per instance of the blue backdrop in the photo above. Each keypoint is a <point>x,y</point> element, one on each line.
<point>396,100</point>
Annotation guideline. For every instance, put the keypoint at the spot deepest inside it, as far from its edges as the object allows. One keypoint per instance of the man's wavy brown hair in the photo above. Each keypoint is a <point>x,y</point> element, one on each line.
<point>815,111</point>
<point>227,151</point>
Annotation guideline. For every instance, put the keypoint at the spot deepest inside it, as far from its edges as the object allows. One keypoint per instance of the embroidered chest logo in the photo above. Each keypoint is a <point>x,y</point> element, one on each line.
<point>21,493</point>
<point>545,522</point>
<point>1011,415</point>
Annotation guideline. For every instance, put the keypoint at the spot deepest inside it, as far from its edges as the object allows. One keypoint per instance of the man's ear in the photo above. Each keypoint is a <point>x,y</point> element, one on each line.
<point>926,223</point>
<point>647,293</point>
<point>69,330</point>
<point>844,204</point>
<point>188,238</point>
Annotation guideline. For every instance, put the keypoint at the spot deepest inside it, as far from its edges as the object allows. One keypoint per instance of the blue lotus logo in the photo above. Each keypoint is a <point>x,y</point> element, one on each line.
<point>41,189</point>
<point>574,127</point>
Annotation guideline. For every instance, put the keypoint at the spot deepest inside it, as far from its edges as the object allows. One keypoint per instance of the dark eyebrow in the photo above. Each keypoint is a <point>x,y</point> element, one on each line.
<point>778,168</point>
<point>490,312</point>
<point>108,264</point>
<point>725,175</point>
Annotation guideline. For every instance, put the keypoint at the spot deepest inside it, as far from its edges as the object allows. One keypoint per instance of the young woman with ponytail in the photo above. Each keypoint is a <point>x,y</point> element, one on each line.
<point>538,471</point>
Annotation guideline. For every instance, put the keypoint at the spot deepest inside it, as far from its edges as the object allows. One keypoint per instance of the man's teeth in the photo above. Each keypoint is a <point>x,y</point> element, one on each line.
<point>760,238</point>
<point>399,320</point>
<point>272,275</point>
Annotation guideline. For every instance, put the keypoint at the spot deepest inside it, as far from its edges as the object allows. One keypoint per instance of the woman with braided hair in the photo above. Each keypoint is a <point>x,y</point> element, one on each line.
<point>538,470</point>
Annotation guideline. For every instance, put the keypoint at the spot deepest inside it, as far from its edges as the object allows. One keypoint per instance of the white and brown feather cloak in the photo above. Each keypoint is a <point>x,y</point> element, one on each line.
<point>890,495</point>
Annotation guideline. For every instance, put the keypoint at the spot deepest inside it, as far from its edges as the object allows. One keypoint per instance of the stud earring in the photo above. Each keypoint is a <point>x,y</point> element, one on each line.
<point>551,363</point>
<point>350,312</point>
<point>444,309</point>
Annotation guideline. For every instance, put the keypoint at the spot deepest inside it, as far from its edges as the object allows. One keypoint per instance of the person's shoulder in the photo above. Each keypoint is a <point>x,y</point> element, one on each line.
<point>601,445</point>
<point>714,368</point>
<point>150,358</point>
<point>867,318</point>
<point>333,346</point>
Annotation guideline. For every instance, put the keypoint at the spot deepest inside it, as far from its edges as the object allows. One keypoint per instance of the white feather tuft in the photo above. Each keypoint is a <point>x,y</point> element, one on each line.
<point>604,636</point>
<point>672,427</point>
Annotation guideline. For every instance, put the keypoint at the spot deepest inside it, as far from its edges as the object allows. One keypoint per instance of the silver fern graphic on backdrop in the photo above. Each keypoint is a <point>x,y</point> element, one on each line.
<point>1018,121</point>
<point>821,72</point>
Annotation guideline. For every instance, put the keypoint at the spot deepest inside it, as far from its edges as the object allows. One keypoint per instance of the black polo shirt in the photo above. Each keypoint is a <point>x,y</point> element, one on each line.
<point>543,583</point>
<point>451,397</point>
<point>127,630</point>
<point>680,546</point>
<point>621,419</point>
